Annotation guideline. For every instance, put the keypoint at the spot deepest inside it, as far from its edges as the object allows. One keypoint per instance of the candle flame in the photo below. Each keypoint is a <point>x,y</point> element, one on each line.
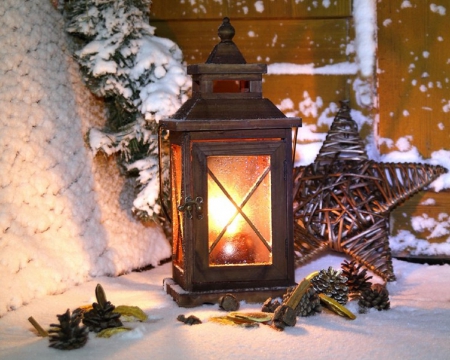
<point>221,211</point>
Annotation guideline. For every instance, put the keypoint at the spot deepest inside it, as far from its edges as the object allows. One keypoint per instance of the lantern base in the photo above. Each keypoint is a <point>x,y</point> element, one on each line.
<point>188,299</point>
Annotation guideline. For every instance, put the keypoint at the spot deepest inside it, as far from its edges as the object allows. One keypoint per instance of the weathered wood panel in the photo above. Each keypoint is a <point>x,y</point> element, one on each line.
<point>414,74</point>
<point>216,9</point>
<point>320,42</point>
<point>414,96</point>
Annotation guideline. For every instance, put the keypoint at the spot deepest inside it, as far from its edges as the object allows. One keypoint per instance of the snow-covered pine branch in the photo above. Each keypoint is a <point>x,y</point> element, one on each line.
<point>142,78</point>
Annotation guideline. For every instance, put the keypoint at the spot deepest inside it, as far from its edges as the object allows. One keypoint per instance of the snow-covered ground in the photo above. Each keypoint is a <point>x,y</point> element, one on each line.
<point>416,327</point>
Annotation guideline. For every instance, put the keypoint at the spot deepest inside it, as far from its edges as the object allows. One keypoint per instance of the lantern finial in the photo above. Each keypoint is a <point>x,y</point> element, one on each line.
<point>226,30</point>
<point>226,52</point>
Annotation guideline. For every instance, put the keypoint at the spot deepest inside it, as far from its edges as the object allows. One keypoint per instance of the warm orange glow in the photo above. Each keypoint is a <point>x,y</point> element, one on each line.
<point>239,211</point>
<point>221,211</point>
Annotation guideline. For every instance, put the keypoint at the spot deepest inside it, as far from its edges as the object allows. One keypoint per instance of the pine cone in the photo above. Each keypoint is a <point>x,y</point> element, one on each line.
<point>270,305</point>
<point>68,334</point>
<point>377,296</point>
<point>101,316</point>
<point>331,283</point>
<point>309,303</point>
<point>357,281</point>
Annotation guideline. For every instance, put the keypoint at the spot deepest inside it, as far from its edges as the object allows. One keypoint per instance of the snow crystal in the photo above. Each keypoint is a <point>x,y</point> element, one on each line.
<point>423,222</point>
<point>441,157</point>
<point>429,201</point>
<point>274,40</point>
<point>309,107</point>
<point>405,4</point>
<point>251,33</point>
<point>405,113</point>
<point>439,9</point>
<point>387,22</point>
<point>426,54</point>
<point>286,104</point>
<point>405,153</point>
<point>423,88</point>
<point>404,143</point>
<point>259,6</point>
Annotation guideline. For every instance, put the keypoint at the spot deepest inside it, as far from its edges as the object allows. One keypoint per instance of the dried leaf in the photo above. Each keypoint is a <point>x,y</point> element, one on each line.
<point>226,320</point>
<point>336,307</point>
<point>312,275</point>
<point>130,313</point>
<point>257,316</point>
<point>107,333</point>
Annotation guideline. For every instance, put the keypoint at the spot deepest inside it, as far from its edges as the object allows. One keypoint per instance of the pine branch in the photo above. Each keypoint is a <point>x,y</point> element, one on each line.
<point>142,80</point>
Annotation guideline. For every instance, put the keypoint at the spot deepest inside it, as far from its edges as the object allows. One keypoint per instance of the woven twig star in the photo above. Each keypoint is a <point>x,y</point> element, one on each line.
<point>343,200</point>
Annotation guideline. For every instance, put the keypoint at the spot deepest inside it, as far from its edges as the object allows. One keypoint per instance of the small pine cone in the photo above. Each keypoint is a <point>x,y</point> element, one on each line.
<point>377,297</point>
<point>270,305</point>
<point>68,334</point>
<point>357,281</point>
<point>101,317</point>
<point>309,304</point>
<point>331,283</point>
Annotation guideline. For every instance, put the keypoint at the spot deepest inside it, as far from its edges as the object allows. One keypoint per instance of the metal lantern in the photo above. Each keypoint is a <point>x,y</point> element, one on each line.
<point>231,184</point>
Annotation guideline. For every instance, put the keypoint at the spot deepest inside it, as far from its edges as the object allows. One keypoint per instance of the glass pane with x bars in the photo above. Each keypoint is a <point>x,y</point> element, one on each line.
<point>239,210</point>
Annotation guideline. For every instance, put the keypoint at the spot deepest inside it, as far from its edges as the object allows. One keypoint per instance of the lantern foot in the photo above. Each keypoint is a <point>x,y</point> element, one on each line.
<point>189,299</point>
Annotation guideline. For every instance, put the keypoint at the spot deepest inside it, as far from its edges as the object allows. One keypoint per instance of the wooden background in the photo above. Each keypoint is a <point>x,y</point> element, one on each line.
<point>413,50</point>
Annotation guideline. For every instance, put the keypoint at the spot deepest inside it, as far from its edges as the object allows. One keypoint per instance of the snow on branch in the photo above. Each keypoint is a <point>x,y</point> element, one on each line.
<point>141,76</point>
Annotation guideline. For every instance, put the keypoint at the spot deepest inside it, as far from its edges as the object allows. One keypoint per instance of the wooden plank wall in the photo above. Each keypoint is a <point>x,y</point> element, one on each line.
<point>320,33</point>
<point>267,31</point>
<point>414,92</point>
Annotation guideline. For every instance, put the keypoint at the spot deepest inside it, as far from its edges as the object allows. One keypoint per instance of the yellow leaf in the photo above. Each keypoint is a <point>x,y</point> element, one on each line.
<point>336,307</point>
<point>130,313</point>
<point>226,320</point>
<point>107,333</point>
<point>256,316</point>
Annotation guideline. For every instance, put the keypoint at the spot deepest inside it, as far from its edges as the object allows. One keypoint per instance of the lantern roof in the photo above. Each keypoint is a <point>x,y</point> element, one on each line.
<point>227,93</point>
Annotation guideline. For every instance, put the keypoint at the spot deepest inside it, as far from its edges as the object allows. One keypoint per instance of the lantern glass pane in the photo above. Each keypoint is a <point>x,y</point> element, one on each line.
<point>177,218</point>
<point>239,210</point>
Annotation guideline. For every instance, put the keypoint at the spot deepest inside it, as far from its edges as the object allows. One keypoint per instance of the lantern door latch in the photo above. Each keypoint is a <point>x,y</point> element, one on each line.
<point>190,204</point>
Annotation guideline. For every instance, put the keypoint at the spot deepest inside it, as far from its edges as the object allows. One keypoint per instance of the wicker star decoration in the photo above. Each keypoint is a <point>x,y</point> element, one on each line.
<point>343,200</point>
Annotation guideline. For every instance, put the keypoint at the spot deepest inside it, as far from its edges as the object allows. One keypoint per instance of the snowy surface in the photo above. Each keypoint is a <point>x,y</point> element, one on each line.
<point>64,216</point>
<point>416,327</point>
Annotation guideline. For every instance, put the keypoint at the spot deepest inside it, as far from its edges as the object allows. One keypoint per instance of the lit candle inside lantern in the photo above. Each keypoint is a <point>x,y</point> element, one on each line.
<point>234,246</point>
<point>221,211</point>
